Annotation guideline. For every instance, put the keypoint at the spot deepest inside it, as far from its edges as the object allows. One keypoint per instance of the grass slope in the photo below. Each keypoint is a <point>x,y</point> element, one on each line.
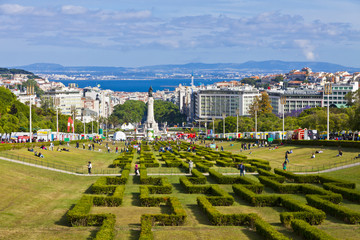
<point>34,202</point>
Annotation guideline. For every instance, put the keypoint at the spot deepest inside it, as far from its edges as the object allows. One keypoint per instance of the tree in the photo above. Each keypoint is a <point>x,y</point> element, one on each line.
<point>279,78</point>
<point>262,104</point>
<point>353,98</point>
<point>165,111</point>
<point>130,112</point>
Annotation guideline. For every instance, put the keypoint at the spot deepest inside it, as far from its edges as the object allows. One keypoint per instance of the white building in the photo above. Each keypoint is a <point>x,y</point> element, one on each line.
<point>65,100</point>
<point>214,102</point>
<point>299,99</point>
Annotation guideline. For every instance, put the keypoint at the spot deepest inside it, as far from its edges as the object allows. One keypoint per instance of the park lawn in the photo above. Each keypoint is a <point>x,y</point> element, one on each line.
<point>76,160</point>
<point>348,174</point>
<point>300,159</point>
<point>34,203</point>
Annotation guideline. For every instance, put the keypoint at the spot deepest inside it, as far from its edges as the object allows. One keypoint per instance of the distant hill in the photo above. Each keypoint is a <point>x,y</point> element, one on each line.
<point>271,66</point>
<point>54,68</point>
<point>255,66</point>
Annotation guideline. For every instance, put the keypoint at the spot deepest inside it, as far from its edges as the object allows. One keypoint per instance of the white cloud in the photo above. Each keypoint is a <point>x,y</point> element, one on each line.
<point>306,47</point>
<point>12,9</point>
<point>73,10</point>
<point>132,29</point>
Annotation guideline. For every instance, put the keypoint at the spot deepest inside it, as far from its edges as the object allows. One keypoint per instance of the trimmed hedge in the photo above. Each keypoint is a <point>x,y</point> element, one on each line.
<point>349,194</point>
<point>309,232</point>
<point>343,213</point>
<point>110,201</point>
<point>267,231</point>
<point>221,179</point>
<point>271,175</point>
<point>300,211</point>
<point>303,178</point>
<point>278,187</point>
<point>107,229</point>
<point>177,217</point>
<point>79,216</point>
<point>219,219</point>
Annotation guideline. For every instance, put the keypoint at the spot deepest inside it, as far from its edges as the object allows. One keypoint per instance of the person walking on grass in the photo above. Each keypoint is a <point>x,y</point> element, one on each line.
<point>136,169</point>
<point>191,165</point>
<point>241,167</point>
<point>284,165</point>
<point>89,168</point>
<point>286,157</point>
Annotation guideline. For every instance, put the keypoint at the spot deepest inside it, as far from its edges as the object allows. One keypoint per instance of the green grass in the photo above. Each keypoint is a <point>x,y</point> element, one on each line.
<point>34,202</point>
<point>300,159</point>
<point>75,161</point>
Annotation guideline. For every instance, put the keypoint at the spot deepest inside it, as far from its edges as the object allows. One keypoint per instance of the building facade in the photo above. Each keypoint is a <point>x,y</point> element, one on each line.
<point>211,103</point>
<point>297,100</point>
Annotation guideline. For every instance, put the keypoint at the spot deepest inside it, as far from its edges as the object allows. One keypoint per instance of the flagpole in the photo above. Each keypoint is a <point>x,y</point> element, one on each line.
<point>74,126</point>
<point>30,117</point>
<point>57,124</point>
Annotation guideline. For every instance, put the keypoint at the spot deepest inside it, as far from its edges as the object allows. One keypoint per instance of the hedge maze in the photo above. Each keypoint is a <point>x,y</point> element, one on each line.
<point>321,196</point>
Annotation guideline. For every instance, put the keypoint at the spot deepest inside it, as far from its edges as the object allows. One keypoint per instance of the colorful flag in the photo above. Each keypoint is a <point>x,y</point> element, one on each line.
<point>70,122</point>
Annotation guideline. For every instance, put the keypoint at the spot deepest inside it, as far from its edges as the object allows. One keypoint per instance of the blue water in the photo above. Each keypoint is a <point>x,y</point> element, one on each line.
<point>138,85</point>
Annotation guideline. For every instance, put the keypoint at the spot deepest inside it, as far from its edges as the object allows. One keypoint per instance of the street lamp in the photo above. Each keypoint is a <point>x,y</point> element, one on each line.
<point>256,109</point>
<point>30,92</point>
<point>328,91</point>
<point>213,119</point>
<point>237,122</point>
<point>224,116</point>
<point>283,102</point>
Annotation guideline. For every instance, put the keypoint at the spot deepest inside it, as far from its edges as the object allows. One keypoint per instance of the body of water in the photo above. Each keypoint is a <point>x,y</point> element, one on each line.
<point>138,85</point>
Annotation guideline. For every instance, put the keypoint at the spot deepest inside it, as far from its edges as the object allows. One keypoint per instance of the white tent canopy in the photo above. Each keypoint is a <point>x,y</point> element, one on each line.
<point>119,136</point>
<point>128,126</point>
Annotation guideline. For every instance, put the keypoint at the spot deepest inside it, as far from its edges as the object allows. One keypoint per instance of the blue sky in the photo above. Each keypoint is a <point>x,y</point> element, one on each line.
<point>139,33</point>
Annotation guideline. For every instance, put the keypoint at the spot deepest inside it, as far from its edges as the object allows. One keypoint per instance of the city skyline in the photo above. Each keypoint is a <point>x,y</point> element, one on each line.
<point>141,33</point>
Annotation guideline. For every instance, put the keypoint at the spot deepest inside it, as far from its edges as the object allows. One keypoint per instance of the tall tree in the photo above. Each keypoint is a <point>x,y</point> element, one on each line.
<point>262,104</point>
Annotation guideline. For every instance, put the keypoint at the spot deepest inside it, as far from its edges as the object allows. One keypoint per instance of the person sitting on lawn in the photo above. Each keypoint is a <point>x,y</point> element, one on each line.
<point>30,149</point>
<point>340,153</point>
<point>313,155</point>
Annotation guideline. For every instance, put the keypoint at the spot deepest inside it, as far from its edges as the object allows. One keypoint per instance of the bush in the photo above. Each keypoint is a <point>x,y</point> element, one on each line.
<point>309,232</point>
<point>278,187</point>
<point>267,231</point>
<point>343,213</point>
<point>300,211</point>
<point>107,229</point>
<point>271,175</point>
<point>337,182</point>
<point>349,194</point>
<point>255,199</point>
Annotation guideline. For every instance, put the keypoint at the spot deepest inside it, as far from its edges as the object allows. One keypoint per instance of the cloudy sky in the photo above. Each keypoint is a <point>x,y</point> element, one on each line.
<point>134,33</point>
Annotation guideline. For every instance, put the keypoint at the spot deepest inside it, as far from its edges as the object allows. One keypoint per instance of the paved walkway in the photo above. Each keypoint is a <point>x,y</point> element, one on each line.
<point>162,174</point>
<point>332,169</point>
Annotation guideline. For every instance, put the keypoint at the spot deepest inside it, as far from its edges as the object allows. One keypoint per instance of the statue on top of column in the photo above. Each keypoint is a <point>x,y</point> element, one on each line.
<point>150,91</point>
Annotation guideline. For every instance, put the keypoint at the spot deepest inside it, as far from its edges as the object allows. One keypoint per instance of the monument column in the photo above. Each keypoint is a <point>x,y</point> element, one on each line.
<point>151,126</point>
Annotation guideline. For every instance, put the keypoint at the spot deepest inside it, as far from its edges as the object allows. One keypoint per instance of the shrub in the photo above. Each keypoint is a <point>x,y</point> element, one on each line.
<point>300,211</point>
<point>271,175</point>
<point>343,213</point>
<point>309,232</point>
<point>267,231</point>
<point>347,193</point>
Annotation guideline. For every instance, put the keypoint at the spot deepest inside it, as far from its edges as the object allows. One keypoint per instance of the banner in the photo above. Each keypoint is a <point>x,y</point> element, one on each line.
<point>70,122</point>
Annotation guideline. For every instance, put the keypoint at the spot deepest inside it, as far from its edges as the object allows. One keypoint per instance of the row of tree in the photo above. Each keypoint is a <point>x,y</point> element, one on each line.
<point>313,118</point>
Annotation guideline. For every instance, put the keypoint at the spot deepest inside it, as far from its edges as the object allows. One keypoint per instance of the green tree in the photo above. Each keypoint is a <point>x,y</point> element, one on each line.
<point>130,112</point>
<point>262,104</point>
<point>165,111</point>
